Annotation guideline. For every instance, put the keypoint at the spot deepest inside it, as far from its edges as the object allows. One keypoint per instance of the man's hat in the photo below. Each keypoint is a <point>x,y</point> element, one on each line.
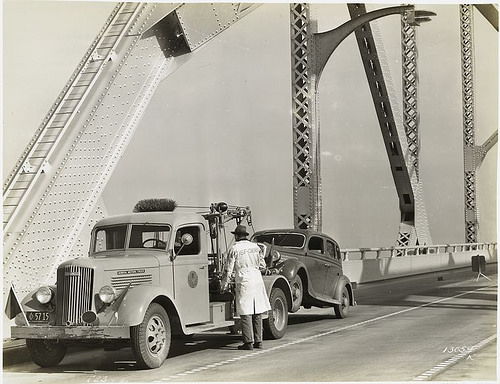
<point>240,230</point>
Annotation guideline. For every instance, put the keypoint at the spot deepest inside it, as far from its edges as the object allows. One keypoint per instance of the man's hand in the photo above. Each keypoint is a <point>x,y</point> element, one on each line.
<point>223,288</point>
<point>269,271</point>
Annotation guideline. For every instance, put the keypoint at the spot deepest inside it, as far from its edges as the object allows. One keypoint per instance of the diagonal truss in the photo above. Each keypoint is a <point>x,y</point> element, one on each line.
<point>52,197</point>
<point>402,143</point>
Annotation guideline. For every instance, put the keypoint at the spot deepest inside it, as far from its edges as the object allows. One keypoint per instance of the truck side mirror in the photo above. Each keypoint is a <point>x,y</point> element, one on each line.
<point>186,239</point>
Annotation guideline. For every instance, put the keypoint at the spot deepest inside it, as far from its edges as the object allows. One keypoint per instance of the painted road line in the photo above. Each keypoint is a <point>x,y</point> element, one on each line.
<point>331,332</point>
<point>453,360</point>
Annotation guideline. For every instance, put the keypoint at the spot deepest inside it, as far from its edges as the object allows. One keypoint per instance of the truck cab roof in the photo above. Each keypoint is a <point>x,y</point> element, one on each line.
<point>177,217</point>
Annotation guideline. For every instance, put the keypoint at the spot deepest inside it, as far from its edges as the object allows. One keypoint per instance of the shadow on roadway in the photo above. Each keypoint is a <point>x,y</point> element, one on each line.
<point>89,358</point>
<point>402,291</point>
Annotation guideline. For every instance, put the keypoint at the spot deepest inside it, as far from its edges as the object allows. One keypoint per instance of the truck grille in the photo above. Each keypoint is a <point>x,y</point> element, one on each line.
<point>74,294</point>
<point>121,282</point>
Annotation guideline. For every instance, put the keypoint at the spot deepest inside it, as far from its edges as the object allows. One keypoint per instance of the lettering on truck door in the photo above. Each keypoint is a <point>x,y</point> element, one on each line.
<point>191,275</point>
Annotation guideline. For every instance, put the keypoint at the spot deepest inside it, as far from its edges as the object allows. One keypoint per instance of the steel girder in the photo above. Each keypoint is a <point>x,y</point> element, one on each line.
<point>306,175</point>
<point>473,154</point>
<point>310,53</point>
<point>469,136</point>
<point>402,142</point>
<point>52,197</point>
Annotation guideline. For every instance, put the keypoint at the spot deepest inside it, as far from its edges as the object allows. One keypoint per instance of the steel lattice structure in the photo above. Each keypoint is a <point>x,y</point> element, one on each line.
<point>410,89</point>
<point>400,137</point>
<point>52,197</point>
<point>469,136</point>
<point>307,179</point>
<point>310,53</point>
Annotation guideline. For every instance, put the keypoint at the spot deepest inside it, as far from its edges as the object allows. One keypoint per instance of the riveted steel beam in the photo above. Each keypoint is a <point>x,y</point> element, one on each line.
<point>469,134</point>
<point>53,195</point>
<point>310,53</point>
<point>401,142</point>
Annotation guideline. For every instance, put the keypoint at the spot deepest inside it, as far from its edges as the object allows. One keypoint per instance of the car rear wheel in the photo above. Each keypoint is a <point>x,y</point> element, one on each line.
<point>342,309</point>
<point>274,326</point>
<point>151,339</point>
<point>46,353</point>
<point>297,293</point>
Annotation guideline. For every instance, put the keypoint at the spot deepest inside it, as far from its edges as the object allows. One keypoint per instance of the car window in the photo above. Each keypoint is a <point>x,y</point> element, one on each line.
<point>291,240</point>
<point>332,250</point>
<point>188,249</point>
<point>316,244</point>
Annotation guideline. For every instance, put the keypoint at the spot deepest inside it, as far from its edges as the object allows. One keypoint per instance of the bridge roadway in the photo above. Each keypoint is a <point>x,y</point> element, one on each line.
<point>438,326</point>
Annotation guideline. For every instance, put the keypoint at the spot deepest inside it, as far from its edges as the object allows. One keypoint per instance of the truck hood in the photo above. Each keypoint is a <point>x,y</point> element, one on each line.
<point>117,261</point>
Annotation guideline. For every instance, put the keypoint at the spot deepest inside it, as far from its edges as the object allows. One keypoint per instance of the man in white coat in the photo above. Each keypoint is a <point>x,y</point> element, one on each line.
<point>247,261</point>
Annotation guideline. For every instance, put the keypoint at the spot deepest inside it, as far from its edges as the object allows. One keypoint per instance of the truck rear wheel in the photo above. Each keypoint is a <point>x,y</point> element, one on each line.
<point>274,327</point>
<point>46,353</point>
<point>151,339</point>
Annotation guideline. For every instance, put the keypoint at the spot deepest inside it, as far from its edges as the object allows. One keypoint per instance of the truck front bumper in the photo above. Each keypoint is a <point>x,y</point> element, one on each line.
<point>70,332</point>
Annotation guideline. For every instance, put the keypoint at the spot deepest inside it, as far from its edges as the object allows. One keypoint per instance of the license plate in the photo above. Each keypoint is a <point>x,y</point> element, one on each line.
<point>38,317</point>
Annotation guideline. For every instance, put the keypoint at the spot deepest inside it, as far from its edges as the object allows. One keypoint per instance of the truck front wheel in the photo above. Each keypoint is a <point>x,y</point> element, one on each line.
<point>274,327</point>
<point>151,339</point>
<point>46,353</point>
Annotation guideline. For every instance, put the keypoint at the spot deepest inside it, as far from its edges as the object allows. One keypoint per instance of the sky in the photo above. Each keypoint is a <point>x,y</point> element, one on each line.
<point>219,128</point>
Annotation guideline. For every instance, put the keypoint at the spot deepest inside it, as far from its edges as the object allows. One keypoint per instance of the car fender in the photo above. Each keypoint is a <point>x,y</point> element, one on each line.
<point>136,301</point>
<point>342,282</point>
<point>279,281</point>
<point>290,268</point>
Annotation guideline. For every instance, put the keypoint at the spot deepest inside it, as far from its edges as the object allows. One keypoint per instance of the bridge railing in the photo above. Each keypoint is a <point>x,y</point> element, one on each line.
<point>377,253</point>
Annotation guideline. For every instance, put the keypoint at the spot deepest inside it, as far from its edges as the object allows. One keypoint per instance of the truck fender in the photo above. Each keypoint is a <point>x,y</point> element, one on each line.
<point>136,301</point>
<point>344,282</point>
<point>279,281</point>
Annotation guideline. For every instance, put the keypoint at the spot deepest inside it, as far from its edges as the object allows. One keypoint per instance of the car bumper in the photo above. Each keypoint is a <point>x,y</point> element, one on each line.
<point>70,332</point>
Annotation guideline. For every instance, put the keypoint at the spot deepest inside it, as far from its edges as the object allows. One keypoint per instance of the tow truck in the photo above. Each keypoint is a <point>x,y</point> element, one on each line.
<point>150,275</point>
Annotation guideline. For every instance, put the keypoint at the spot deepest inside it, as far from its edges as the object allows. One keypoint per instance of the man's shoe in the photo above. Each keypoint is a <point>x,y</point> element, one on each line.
<point>246,346</point>
<point>257,345</point>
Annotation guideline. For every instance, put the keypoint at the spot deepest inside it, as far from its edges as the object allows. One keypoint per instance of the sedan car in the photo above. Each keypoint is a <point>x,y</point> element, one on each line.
<point>311,262</point>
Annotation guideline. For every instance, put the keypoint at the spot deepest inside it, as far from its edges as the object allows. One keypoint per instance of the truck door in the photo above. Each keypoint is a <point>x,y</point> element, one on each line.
<point>191,275</point>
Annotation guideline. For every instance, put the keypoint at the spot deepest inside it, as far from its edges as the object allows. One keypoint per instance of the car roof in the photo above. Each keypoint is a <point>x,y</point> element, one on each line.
<point>306,232</point>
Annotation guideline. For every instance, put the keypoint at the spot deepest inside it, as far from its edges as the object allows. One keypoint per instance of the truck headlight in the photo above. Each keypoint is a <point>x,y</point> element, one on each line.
<point>107,294</point>
<point>43,295</point>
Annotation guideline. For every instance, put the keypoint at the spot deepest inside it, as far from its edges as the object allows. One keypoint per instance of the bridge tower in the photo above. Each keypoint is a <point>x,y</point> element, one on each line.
<point>308,60</point>
<point>52,196</point>
<point>473,154</point>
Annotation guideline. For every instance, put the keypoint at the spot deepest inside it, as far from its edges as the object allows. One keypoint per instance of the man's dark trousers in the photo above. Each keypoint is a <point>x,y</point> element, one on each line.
<point>251,328</point>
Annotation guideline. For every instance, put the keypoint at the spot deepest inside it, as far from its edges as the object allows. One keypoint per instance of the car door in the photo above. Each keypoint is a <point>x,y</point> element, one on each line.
<point>190,267</point>
<point>334,270</point>
<point>316,265</point>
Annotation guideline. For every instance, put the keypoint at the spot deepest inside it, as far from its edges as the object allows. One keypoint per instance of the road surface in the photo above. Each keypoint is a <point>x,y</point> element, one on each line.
<point>438,327</point>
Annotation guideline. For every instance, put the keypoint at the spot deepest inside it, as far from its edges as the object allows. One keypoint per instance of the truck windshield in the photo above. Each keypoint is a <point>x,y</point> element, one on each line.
<point>108,238</point>
<point>141,236</point>
<point>149,236</point>
<point>291,240</point>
